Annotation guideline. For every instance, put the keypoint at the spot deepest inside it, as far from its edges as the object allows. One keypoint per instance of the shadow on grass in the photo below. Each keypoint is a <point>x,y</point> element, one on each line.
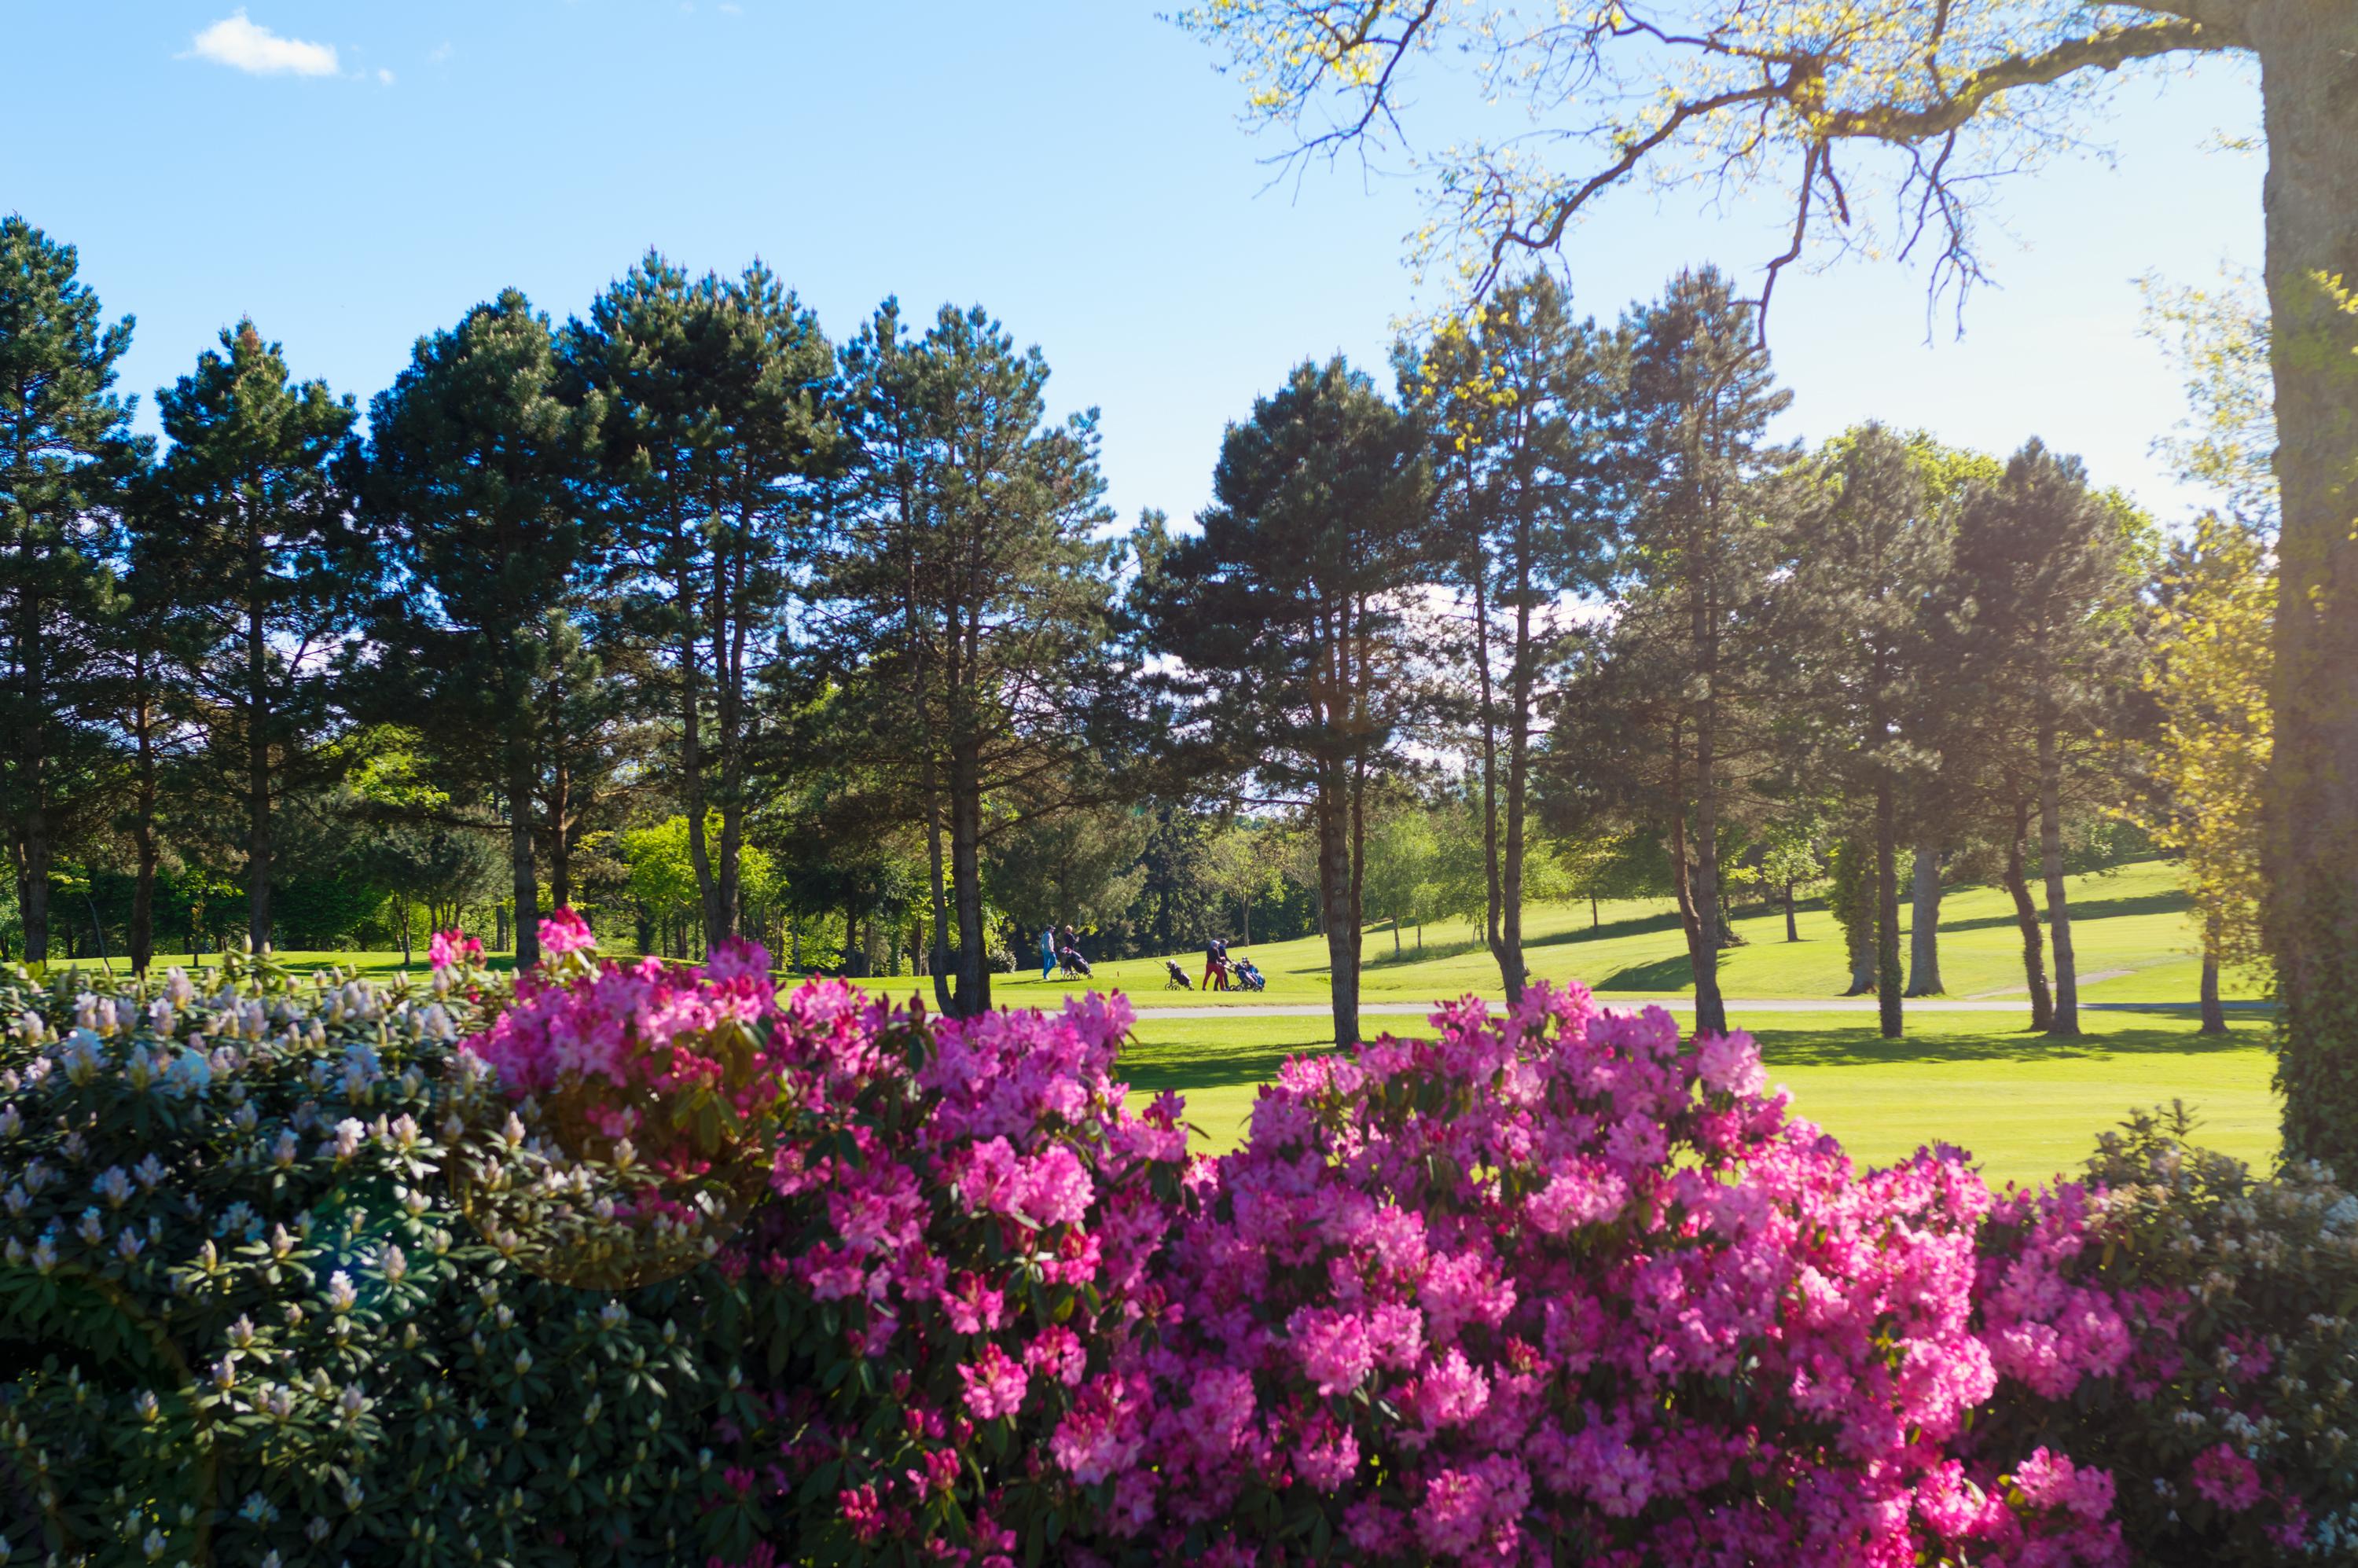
<point>1672,974</point>
<point>1860,1047</point>
<point>1150,1069</point>
<point>2093,909</point>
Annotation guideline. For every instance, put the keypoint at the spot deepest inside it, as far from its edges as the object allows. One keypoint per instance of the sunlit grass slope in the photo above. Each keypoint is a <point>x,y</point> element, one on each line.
<point>2026,1107</point>
<point>2129,927</point>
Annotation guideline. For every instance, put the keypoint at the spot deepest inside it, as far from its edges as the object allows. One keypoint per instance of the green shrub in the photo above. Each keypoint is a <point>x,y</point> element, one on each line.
<point>2232,1435</point>
<point>247,1325</point>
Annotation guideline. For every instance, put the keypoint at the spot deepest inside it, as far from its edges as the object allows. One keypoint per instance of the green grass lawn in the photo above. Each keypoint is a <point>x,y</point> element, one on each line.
<point>2129,925</point>
<point>2025,1108</point>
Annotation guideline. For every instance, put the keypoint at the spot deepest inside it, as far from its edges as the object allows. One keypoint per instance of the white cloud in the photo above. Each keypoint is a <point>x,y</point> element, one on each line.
<point>384,76</point>
<point>439,53</point>
<point>247,46</point>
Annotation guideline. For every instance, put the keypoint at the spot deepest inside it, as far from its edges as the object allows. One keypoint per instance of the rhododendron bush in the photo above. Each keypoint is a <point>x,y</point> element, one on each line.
<point>634,1262</point>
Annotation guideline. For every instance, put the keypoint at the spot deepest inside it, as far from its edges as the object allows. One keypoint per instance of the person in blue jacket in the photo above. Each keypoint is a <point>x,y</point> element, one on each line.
<point>1047,952</point>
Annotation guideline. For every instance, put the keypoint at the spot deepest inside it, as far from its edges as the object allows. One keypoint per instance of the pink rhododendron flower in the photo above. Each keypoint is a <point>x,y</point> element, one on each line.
<point>2052,1481</point>
<point>447,949</point>
<point>1730,1063</point>
<point>994,1384</point>
<point>2227,1478</point>
<point>564,932</point>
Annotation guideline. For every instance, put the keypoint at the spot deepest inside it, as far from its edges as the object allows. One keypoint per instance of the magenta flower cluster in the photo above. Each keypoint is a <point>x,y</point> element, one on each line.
<point>1558,1285</point>
<point>623,1041</point>
<point>1565,1285</point>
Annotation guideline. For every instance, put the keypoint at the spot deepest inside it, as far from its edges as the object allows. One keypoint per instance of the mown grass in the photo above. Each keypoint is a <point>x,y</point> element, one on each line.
<point>2026,1107</point>
<point>2129,927</point>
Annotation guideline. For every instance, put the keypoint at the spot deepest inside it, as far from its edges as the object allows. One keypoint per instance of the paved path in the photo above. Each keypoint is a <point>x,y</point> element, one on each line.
<point>1678,1004</point>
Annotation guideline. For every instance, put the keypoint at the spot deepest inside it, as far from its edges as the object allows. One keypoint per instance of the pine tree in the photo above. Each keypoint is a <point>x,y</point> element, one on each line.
<point>249,523</point>
<point>474,489</point>
<point>1515,405</point>
<point>1701,561</point>
<point>2047,578</point>
<point>1285,618</point>
<point>1873,544</point>
<point>965,581</point>
<point>65,449</point>
<point>716,437</point>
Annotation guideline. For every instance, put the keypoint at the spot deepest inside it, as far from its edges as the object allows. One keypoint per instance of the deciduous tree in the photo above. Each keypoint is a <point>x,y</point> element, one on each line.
<point>1517,405</point>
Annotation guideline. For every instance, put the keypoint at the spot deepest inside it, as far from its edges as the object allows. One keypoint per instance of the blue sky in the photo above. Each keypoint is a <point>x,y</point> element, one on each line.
<point>353,176</point>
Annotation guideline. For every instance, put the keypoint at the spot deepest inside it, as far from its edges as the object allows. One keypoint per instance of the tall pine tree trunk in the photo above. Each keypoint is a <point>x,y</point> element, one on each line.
<point>944,998</point>
<point>1510,948</point>
<point>1493,880</point>
<point>32,769</point>
<point>2310,94</point>
<point>142,824</point>
<point>966,870</point>
<point>257,764</point>
<point>2025,919</point>
<point>1888,986</point>
<point>560,830</point>
<point>1925,923</point>
<point>1711,1012</point>
<point>728,632</point>
<point>2066,1022</point>
<point>691,754</point>
<point>523,875</point>
<point>1681,878</point>
<point>1332,810</point>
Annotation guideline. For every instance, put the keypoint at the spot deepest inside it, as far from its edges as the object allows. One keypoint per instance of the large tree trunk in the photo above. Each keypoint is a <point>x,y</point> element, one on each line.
<point>1887,911</point>
<point>728,632</point>
<point>1492,880</point>
<point>1332,810</point>
<point>32,883</point>
<point>2026,918</point>
<point>1509,944</point>
<point>560,830</point>
<point>1792,926</point>
<point>1711,1012</point>
<point>32,759</point>
<point>1925,923</point>
<point>2308,71</point>
<point>1682,872</point>
<point>2215,1016</point>
<point>944,999</point>
<point>257,766</point>
<point>2066,1022</point>
<point>966,869</point>
<point>143,831</point>
<point>692,757</point>
<point>523,875</point>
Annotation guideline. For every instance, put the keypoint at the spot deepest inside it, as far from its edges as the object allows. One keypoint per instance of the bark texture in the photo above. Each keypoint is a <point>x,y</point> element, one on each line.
<point>2308,67</point>
<point>1925,923</point>
<point>2025,919</point>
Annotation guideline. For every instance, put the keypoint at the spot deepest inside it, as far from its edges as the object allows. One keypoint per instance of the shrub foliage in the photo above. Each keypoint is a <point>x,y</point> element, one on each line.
<point>632,1263</point>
